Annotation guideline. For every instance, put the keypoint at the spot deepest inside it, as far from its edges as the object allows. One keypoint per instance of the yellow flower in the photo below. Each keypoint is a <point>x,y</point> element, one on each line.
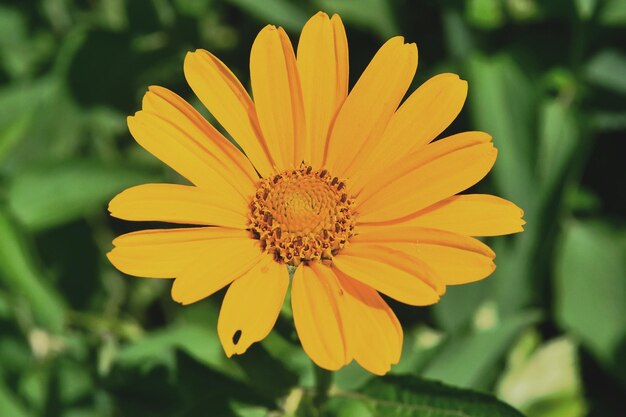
<point>345,189</point>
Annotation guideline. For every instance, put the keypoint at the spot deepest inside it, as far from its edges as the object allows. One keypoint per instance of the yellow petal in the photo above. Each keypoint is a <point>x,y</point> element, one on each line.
<point>420,119</point>
<point>373,332</point>
<point>369,106</point>
<point>221,262</point>
<point>164,253</point>
<point>456,259</point>
<point>471,215</point>
<point>438,171</point>
<point>189,153</point>
<point>171,107</point>
<point>251,306</point>
<point>224,96</point>
<point>277,95</point>
<point>182,204</point>
<point>314,301</point>
<point>323,67</point>
<point>391,272</point>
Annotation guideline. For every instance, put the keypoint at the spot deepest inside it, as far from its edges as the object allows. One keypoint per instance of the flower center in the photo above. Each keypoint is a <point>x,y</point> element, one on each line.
<point>302,215</point>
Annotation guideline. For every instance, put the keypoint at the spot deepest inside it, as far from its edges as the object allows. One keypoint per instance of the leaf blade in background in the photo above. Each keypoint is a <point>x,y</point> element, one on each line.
<point>493,82</point>
<point>374,14</point>
<point>199,341</point>
<point>590,286</point>
<point>19,274</point>
<point>607,70</point>
<point>412,397</point>
<point>45,197</point>
<point>278,12</point>
<point>466,360</point>
<point>585,8</point>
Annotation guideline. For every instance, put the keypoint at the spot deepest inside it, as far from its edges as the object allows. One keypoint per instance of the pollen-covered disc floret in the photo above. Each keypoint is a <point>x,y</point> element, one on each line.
<point>302,215</point>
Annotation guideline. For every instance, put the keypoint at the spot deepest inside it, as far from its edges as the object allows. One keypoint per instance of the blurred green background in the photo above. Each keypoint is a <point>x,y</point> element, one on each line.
<point>546,333</point>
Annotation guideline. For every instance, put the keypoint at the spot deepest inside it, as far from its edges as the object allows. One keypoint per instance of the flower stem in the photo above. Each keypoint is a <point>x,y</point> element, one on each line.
<point>323,381</point>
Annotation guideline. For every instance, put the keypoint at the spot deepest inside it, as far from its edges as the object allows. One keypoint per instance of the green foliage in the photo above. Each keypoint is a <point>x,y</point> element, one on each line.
<point>78,339</point>
<point>406,396</point>
<point>45,197</point>
<point>589,294</point>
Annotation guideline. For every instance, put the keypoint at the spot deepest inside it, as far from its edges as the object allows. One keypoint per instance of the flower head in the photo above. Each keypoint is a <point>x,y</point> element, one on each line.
<point>347,190</point>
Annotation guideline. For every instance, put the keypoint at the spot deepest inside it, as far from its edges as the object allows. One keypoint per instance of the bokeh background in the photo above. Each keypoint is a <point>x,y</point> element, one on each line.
<point>546,333</point>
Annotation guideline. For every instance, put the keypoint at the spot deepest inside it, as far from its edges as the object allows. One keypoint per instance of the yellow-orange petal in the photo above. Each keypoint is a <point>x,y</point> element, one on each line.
<point>221,262</point>
<point>251,306</point>
<point>373,332</point>
<point>165,253</point>
<point>180,204</point>
<point>420,119</point>
<point>391,272</point>
<point>314,301</point>
<point>174,109</point>
<point>455,258</point>
<point>226,99</point>
<point>277,95</point>
<point>366,111</point>
<point>323,67</point>
<point>187,156</point>
<point>471,215</point>
<point>436,172</point>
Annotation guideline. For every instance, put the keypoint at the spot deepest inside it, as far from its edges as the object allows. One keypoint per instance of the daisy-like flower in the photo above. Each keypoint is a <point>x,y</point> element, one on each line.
<point>348,191</point>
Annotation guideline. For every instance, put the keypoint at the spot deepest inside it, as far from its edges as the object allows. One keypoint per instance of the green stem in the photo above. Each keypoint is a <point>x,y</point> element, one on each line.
<point>323,381</point>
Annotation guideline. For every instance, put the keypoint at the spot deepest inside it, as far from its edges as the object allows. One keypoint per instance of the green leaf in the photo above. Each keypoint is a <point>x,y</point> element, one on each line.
<point>458,36</point>
<point>486,14</point>
<point>373,14</point>
<point>590,286</point>
<point>613,13</point>
<point>467,360</point>
<point>278,12</point>
<point>199,341</point>
<point>20,275</point>
<point>43,197</point>
<point>585,8</point>
<point>9,404</point>
<point>607,70</point>
<point>412,397</point>
<point>558,140</point>
<point>502,103</point>
<point>555,364</point>
<point>19,104</point>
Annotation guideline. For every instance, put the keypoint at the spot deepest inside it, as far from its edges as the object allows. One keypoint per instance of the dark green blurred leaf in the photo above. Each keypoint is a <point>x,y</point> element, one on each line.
<point>558,141</point>
<point>609,121</point>
<point>44,197</point>
<point>348,407</point>
<point>419,347</point>
<point>486,14</point>
<point>613,12</point>
<point>277,12</point>
<point>411,397</point>
<point>502,103</point>
<point>607,70</point>
<point>158,348</point>
<point>590,286</point>
<point>373,14</point>
<point>19,104</point>
<point>454,311</point>
<point>585,8</point>
<point>459,38</point>
<point>10,405</point>
<point>468,359</point>
<point>19,274</point>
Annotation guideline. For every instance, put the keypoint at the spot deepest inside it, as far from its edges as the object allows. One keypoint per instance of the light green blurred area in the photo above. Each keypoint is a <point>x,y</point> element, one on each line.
<point>545,333</point>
